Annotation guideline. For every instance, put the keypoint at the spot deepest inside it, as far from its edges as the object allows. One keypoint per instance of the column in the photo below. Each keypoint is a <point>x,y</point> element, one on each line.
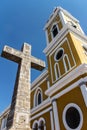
<point>55,112</point>
<point>52,121</point>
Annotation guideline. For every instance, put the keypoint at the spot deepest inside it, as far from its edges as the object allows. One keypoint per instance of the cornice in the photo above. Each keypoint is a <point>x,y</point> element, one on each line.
<point>55,12</point>
<point>38,108</point>
<point>67,79</point>
<point>64,31</point>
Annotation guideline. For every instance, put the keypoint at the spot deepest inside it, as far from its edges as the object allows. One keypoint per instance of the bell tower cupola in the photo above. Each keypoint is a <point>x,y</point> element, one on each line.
<point>57,21</point>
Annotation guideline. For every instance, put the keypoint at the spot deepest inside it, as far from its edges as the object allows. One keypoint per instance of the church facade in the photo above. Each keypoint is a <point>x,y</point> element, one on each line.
<point>58,97</point>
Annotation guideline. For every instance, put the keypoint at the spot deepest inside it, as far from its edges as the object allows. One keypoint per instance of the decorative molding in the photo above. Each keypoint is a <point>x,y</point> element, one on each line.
<point>52,121</point>
<point>64,40</point>
<point>64,116</point>
<point>55,12</point>
<point>67,79</point>
<point>38,108</point>
<point>55,112</point>
<point>40,113</point>
<point>64,31</point>
<point>51,30</point>
<point>55,41</point>
<point>35,101</point>
<point>38,123</point>
<point>42,119</point>
<point>62,17</point>
<point>83,88</point>
<point>68,89</point>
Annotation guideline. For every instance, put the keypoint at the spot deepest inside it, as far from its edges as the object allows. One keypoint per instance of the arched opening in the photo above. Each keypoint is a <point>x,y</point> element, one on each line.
<point>42,125</point>
<point>57,71</point>
<point>38,97</point>
<point>66,61</point>
<point>35,127</point>
<point>54,30</point>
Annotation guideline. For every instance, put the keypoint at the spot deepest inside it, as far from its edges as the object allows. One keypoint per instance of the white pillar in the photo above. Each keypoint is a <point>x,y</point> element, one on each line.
<point>61,14</point>
<point>48,83</point>
<point>47,37</point>
<point>84,91</point>
<point>55,112</point>
<point>51,118</point>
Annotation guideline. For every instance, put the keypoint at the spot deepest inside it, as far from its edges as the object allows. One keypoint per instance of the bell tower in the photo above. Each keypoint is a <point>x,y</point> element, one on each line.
<point>64,49</point>
<point>66,53</point>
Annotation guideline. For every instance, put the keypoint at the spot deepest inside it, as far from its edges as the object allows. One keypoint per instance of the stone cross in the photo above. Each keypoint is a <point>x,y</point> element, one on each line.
<point>18,118</point>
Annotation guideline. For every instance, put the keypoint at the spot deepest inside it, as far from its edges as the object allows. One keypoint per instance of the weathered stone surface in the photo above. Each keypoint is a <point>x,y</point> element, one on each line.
<point>18,118</point>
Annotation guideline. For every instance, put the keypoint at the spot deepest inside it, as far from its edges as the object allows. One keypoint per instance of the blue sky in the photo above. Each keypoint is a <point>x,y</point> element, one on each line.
<point>23,21</point>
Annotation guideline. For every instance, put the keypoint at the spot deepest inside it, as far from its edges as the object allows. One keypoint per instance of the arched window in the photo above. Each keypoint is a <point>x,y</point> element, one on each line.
<point>54,30</point>
<point>57,57</point>
<point>66,63</point>
<point>42,125</point>
<point>35,126</point>
<point>56,70</point>
<point>38,97</point>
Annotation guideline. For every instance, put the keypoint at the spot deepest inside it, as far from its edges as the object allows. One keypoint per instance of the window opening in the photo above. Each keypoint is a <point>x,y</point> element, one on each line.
<point>39,98</point>
<point>35,126</point>
<point>59,54</point>
<point>54,30</point>
<point>72,117</point>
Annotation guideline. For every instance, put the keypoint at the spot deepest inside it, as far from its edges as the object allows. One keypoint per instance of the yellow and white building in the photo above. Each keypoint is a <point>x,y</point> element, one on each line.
<point>59,94</point>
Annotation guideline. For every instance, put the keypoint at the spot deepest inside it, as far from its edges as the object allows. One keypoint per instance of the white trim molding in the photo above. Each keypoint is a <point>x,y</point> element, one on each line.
<point>40,113</point>
<point>34,123</point>
<point>38,108</point>
<point>51,30</point>
<point>37,92</point>
<point>37,122</point>
<point>83,88</point>
<point>64,31</point>
<point>52,121</point>
<point>80,114</point>
<point>58,47</point>
<point>55,12</point>
<point>42,120</point>
<point>67,79</point>
<point>55,112</point>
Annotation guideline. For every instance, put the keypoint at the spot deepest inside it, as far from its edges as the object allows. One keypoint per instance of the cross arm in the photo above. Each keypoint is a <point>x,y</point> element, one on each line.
<point>11,54</point>
<point>37,63</point>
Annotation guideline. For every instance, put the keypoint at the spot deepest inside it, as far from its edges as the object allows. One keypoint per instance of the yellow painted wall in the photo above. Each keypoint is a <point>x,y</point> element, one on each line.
<point>59,23</point>
<point>74,96</point>
<point>78,46</point>
<point>43,86</point>
<point>46,116</point>
<point>73,48</point>
<point>68,19</point>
